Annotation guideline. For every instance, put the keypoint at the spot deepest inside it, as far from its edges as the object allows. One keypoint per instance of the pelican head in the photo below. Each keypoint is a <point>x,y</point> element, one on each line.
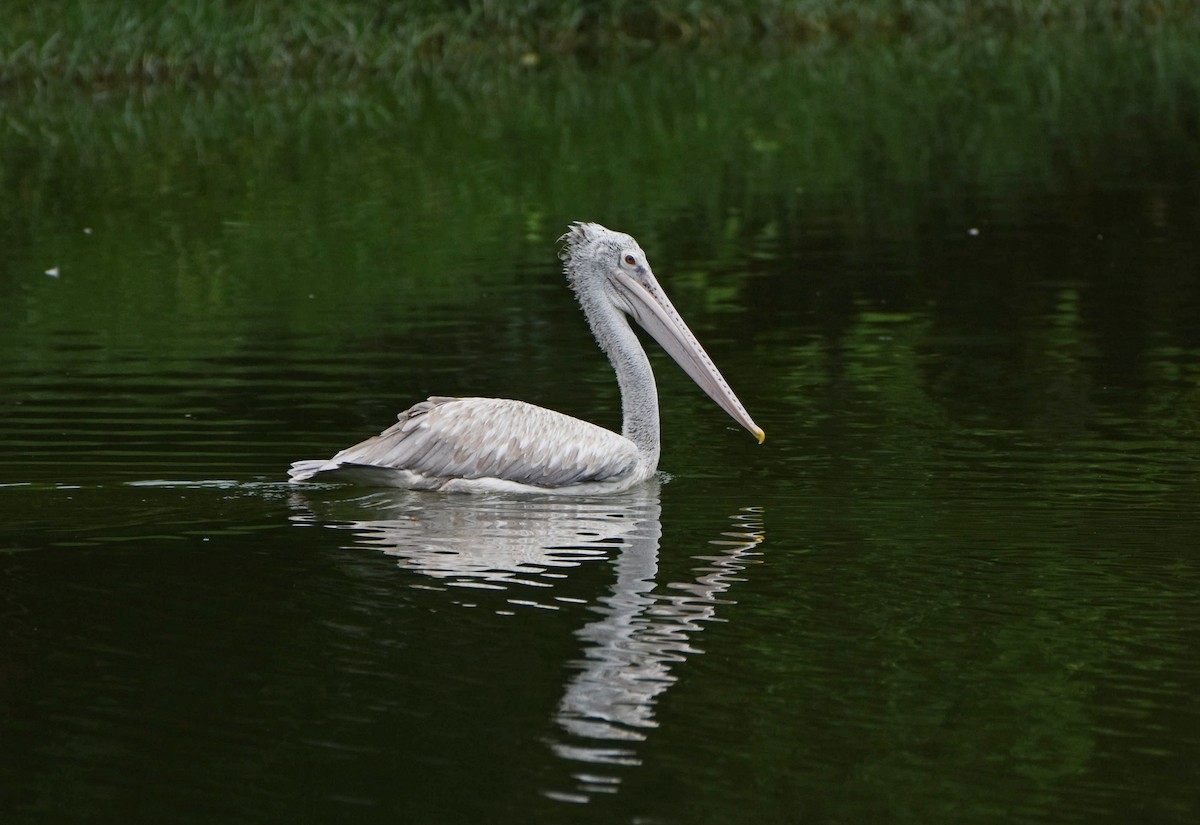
<point>608,271</point>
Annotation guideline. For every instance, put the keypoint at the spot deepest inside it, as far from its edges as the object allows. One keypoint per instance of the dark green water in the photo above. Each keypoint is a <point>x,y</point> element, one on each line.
<point>960,582</point>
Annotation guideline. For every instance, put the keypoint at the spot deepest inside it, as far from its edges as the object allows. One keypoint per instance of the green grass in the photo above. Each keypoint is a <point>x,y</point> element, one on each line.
<point>886,125</point>
<point>105,45</point>
<point>740,136</point>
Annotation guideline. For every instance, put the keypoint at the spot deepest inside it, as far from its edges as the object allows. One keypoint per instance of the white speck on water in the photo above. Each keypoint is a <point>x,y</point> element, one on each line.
<point>87,230</point>
<point>973,231</point>
<point>52,272</point>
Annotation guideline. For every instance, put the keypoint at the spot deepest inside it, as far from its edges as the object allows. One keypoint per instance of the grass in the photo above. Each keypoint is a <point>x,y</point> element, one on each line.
<point>106,45</point>
<point>186,131</point>
<point>669,134</point>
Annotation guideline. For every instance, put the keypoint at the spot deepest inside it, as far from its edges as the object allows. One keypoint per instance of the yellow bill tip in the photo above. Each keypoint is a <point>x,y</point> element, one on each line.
<point>759,434</point>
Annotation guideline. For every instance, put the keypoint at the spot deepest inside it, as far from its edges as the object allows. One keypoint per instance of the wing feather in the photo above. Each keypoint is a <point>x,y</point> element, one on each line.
<point>471,438</point>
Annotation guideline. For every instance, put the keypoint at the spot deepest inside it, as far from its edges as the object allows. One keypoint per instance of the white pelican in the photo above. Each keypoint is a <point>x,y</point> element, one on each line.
<point>497,445</point>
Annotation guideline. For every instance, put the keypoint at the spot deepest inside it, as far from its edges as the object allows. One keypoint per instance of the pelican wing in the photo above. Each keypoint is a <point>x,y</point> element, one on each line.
<point>471,438</point>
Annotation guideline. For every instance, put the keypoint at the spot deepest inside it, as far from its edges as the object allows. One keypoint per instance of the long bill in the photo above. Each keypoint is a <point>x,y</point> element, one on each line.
<point>658,316</point>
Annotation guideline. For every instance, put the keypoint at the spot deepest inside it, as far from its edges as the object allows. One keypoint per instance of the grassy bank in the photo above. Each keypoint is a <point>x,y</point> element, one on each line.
<point>884,132</point>
<point>877,133</point>
<point>149,42</point>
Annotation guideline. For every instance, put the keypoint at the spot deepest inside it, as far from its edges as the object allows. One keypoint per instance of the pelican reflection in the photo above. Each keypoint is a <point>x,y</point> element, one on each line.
<point>525,549</point>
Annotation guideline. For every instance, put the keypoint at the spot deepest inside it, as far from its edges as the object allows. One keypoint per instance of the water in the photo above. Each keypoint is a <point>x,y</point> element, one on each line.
<point>957,583</point>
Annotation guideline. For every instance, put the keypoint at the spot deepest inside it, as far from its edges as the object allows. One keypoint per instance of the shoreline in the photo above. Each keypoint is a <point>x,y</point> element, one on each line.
<point>205,44</point>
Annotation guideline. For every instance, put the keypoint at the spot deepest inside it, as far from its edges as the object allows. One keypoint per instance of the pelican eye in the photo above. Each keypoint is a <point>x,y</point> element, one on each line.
<point>629,259</point>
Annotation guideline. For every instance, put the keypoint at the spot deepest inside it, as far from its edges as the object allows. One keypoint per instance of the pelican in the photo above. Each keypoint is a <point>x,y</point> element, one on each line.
<point>497,445</point>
